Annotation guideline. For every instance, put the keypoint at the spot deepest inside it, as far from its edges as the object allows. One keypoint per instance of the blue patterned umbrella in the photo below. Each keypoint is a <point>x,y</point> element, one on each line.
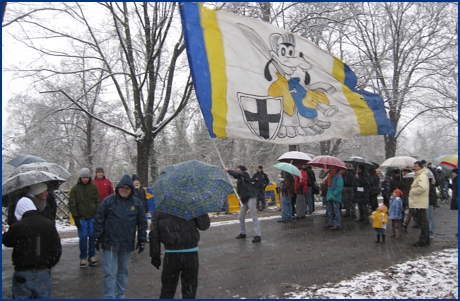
<point>191,189</point>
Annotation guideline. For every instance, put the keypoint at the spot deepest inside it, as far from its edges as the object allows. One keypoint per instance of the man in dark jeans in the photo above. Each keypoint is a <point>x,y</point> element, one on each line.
<point>418,202</point>
<point>347,192</point>
<point>260,181</point>
<point>180,238</point>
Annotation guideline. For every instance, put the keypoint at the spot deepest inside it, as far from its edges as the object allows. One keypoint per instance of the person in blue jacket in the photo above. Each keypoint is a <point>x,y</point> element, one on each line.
<point>334,198</point>
<point>118,218</point>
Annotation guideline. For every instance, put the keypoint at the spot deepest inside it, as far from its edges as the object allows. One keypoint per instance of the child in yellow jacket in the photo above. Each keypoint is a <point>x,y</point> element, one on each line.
<point>379,220</point>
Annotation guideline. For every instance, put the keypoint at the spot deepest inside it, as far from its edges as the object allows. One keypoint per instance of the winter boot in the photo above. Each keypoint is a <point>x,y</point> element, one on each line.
<point>83,262</point>
<point>92,261</point>
<point>378,239</point>
<point>383,238</point>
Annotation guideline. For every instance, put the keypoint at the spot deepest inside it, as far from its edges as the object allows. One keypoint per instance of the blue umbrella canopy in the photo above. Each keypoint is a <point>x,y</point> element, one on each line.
<point>191,189</point>
<point>25,159</point>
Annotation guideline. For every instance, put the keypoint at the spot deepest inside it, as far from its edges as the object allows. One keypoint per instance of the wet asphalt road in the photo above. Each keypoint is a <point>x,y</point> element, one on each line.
<point>301,252</point>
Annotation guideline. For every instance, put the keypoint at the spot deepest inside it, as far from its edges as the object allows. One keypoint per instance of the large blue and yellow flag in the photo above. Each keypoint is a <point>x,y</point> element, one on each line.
<point>256,81</point>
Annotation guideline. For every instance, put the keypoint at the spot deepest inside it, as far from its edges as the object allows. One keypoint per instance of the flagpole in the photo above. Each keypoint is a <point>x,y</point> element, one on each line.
<point>223,166</point>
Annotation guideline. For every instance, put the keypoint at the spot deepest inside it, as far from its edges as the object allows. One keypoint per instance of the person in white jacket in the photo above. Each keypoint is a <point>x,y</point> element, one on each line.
<point>419,201</point>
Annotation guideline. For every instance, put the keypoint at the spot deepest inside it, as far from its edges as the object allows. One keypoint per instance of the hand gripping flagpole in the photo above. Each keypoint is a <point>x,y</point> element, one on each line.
<point>223,166</point>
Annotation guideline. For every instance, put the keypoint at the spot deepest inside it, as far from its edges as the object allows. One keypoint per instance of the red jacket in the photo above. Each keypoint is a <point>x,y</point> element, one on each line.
<point>301,185</point>
<point>104,186</point>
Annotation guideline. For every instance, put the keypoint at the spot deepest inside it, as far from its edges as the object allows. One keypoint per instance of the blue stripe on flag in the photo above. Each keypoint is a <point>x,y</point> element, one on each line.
<point>198,60</point>
<point>374,102</point>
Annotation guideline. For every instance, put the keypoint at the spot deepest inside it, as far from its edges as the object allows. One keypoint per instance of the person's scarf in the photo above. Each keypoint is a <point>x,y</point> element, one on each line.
<point>329,178</point>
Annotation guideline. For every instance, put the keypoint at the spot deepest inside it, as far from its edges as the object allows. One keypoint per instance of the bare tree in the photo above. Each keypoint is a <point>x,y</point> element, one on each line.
<point>135,47</point>
<point>406,47</point>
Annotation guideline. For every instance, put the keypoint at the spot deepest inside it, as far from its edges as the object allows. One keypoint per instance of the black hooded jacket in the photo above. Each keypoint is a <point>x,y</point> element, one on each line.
<point>117,220</point>
<point>244,185</point>
<point>174,232</point>
<point>35,241</point>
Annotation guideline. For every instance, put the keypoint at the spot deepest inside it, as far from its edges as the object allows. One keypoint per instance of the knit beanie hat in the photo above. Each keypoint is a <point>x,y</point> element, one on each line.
<point>36,189</point>
<point>85,173</point>
<point>135,177</point>
<point>398,192</point>
<point>24,204</point>
<point>242,167</point>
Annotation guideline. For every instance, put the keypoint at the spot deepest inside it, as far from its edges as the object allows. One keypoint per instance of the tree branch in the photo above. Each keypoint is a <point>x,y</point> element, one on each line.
<point>90,114</point>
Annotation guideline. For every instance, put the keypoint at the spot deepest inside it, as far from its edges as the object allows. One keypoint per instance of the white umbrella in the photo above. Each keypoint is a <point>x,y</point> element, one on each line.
<point>295,157</point>
<point>401,161</point>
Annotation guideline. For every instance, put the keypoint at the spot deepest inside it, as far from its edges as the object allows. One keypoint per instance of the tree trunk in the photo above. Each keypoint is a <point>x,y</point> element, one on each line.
<point>390,146</point>
<point>293,148</point>
<point>143,153</point>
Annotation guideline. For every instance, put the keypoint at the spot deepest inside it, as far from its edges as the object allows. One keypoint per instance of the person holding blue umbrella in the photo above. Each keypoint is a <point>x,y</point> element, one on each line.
<point>180,239</point>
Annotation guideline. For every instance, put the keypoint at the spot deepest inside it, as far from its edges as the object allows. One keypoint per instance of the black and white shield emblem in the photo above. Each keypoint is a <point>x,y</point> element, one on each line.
<point>262,114</point>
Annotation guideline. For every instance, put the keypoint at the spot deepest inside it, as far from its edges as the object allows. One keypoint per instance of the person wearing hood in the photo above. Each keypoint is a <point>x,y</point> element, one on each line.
<point>419,201</point>
<point>104,186</point>
<point>248,200</point>
<point>83,204</point>
<point>379,220</point>
<point>42,197</point>
<point>117,220</point>
<point>36,249</point>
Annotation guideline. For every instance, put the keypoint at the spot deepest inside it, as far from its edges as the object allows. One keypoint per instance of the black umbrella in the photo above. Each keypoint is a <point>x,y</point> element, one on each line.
<point>355,161</point>
<point>25,159</point>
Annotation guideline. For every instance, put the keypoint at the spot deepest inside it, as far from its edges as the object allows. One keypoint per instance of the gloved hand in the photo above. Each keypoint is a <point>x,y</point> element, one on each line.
<point>77,222</point>
<point>141,246</point>
<point>97,243</point>
<point>156,262</point>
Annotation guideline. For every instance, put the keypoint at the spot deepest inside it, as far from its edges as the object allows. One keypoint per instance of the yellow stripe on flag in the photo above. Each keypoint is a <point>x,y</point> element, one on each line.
<point>217,64</point>
<point>364,115</point>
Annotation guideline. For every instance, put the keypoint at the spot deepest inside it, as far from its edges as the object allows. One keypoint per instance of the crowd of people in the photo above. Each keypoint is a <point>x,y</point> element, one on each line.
<point>114,220</point>
<point>107,219</point>
<point>351,189</point>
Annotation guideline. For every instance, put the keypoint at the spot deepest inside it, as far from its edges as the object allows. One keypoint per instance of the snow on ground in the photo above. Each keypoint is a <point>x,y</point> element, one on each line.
<point>429,277</point>
<point>65,227</point>
<point>70,241</point>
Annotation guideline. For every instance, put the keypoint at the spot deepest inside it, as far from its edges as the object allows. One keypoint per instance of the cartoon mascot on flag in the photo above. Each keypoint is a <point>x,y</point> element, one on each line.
<point>300,99</point>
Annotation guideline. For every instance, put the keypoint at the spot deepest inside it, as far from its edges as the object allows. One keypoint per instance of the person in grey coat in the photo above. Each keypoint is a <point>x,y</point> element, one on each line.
<point>248,198</point>
<point>118,218</point>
